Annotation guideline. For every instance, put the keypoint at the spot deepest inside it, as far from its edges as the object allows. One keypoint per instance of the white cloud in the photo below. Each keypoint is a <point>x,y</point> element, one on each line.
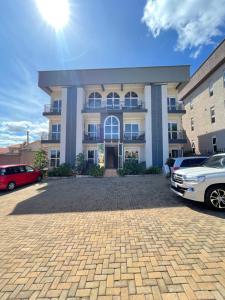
<point>15,132</point>
<point>196,22</point>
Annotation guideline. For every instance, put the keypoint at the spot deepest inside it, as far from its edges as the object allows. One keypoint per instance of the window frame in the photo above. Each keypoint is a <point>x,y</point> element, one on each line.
<point>58,107</point>
<point>211,88</point>
<point>192,124</point>
<point>115,98</point>
<point>172,134</point>
<point>170,106</point>
<point>132,151</point>
<point>111,133</point>
<point>214,144</point>
<point>132,134</point>
<point>55,159</point>
<point>129,98</point>
<point>92,160</point>
<point>97,98</point>
<point>212,114</point>
<point>56,133</point>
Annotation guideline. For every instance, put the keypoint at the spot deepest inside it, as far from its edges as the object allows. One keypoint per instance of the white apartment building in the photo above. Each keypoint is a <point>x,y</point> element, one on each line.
<point>113,115</point>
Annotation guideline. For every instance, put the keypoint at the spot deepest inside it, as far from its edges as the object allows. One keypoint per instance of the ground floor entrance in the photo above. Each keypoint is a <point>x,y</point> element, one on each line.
<point>111,157</point>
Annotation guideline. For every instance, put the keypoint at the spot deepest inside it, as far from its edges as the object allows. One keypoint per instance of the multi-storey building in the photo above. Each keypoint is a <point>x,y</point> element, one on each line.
<point>113,115</point>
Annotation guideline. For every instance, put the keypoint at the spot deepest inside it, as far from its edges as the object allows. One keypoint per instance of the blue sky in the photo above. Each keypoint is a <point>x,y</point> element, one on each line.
<point>99,34</point>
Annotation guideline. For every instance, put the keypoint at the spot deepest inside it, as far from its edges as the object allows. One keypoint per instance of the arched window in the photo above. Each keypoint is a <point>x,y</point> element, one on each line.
<point>131,100</point>
<point>112,128</point>
<point>113,101</point>
<point>94,100</point>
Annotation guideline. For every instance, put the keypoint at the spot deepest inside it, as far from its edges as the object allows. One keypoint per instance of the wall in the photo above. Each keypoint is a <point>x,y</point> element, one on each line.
<point>202,102</point>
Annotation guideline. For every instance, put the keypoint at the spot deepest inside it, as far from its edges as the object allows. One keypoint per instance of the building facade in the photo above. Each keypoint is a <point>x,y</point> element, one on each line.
<point>113,115</point>
<point>204,101</point>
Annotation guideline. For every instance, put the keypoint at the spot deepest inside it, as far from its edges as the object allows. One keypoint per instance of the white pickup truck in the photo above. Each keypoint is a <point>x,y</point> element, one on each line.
<point>203,184</point>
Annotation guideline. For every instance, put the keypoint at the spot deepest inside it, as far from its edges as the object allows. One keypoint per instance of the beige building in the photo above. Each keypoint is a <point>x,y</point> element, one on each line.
<point>19,153</point>
<point>204,101</point>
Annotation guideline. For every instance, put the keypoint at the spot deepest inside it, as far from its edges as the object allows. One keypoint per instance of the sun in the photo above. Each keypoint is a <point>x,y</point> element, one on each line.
<point>54,12</point>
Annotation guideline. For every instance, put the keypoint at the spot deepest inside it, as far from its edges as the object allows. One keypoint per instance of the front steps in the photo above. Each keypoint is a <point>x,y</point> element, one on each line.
<point>110,173</point>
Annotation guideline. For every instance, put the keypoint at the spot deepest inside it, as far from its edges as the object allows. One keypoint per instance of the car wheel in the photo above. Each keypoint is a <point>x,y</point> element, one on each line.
<point>39,179</point>
<point>215,197</point>
<point>11,186</point>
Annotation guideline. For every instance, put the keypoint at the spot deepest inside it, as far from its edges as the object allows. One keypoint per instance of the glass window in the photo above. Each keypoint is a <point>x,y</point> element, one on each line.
<point>22,169</point>
<point>217,161</point>
<point>57,105</point>
<point>2,171</point>
<point>29,169</point>
<point>211,88</point>
<point>172,130</point>
<point>175,153</point>
<point>131,154</point>
<point>54,158</point>
<point>111,129</point>
<point>131,100</point>
<point>131,131</point>
<point>113,101</point>
<point>212,114</point>
<point>171,102</point>
<point>191,104</point>
<point>214,144</point>
<point>192,124</point>
<point>92,156</point>
<point>94,100</point>
<point>93,130</point>
<point>56,129</point>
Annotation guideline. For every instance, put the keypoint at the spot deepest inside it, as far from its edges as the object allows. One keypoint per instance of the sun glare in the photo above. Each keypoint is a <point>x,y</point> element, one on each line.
<point>54,12</point>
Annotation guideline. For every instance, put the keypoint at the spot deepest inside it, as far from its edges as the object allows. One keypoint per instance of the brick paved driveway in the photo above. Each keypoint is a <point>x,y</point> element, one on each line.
<point>110,238</point>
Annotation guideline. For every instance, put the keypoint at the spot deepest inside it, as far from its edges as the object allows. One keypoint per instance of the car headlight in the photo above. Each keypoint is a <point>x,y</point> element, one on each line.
<point>194,179</point>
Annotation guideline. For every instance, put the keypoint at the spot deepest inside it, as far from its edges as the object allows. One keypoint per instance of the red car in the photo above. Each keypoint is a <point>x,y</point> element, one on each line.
<point>16,175</point>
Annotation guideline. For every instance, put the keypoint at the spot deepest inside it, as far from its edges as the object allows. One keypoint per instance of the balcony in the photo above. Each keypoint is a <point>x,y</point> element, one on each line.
<point>137,137</point>
<point>50,110</point>
<point>92,138</point>
<point>104,106</point>
<point>177,137</point>
<point>50,138</point>
<point>176,108</point>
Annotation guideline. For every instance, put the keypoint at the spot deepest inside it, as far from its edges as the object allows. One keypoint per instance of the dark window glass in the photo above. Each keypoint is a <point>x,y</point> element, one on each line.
<point>29,169</point>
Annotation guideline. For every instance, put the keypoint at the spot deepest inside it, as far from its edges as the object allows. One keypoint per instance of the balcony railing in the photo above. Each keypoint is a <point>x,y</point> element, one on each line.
<point>179,107</point>
<point>52,137</point>
<point>50,109</point>
<point>176,136</point>
<point>121,105</point>
<point>134,137</point>
<point>128,137</point>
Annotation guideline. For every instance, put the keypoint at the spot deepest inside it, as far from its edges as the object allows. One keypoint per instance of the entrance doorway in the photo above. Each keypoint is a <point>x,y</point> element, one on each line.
<point>111,157</point>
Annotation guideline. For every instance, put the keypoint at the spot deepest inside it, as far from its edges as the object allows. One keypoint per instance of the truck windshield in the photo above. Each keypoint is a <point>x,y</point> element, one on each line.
<point>217,161</point>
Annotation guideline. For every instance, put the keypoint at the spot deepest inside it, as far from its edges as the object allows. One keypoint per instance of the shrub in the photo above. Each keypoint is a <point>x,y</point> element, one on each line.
<point>81,164</point>
<point>41,159</point>
<point>153,170</point>
<point>132,167</point>
<point>96,171</point>
<point>61,171</point>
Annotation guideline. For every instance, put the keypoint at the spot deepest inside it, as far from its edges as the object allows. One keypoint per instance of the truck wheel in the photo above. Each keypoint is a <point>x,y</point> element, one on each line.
<point>215,197</point>
<point>11,186</point>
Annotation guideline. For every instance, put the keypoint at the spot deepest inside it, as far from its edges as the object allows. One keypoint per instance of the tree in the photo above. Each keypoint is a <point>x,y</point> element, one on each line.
<point>41,159</point>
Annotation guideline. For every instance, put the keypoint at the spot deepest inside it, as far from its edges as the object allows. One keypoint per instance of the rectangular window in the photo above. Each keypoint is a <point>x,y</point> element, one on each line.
<point>210,89</point>
<point>191,104</point>
<point>171,103</point>
<point>172,131</point>
<point>54,158</point>
<point>212,114</point>
<point>92,156</point>
<point>57,106</point>
<point>192,124</point>
<point>131,132</point>
<point>131,154</point>
<point>56,129</point>
<point>214,144</point>
<point>92,130</point>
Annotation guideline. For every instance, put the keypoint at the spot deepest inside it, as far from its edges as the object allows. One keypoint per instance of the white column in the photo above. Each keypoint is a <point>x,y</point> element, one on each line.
<point>165,123</point>
<point>79,125</point>
<point>148,126</point>
<point>63,127</point>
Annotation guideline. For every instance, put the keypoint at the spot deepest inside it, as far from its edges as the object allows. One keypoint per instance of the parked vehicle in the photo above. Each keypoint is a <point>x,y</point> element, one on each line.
<point>203,184</point>
<point>174,164</point>
<point>16,175</point>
